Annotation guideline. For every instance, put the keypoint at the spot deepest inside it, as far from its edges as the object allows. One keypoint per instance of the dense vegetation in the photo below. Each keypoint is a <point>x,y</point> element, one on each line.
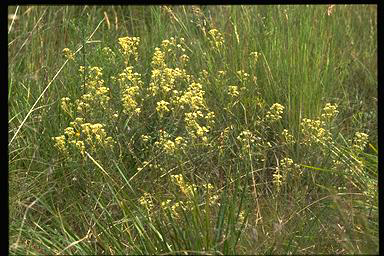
<point>193,129</point>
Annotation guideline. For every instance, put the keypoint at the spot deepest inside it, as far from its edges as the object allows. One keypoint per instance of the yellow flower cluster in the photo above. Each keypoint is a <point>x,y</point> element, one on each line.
<point>275,112</point>
<point>162,107</point>
<point>255,56</point>
<point>96,93</point>
<point>184,59</point>
<point>67,106</point>
<point>130,84</point>
<point>164,80</point>
<point>60,144</point>
<point>314,131</point>
<point>194,128</point>
<point>216,39</point>
<point>287,164</point>
<point>94,134</point>
<point>169,145</point>
<point>68,54</point>
<point>287,137</point>
<point>176,206</point>
<point>173,47</point>
<point>249,140</point>
<point>129,47</point>
<point>233,91</point>
<point>246,138</point>
<point>109,54</point>
<point>329,111</point>
<point>145,138</point>
<point>81,134</point>
<point>193,96</point>
<point>360,141</point>
<point>260,102</point>
<point>189,191</point>
<point>158,59</point>
<point>213,198</point>
<point>241,217</point>
<point>171,44</point>
<point>146,201</point>
<point>243,76</point>
<point>199,120</point>
<point>221,75</point>
<point>93,77</point>
<point>277,178</point>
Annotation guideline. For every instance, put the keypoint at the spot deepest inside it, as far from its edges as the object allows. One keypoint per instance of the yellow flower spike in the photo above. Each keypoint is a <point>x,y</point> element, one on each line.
<point>277,177</point>
<point>158,59</point>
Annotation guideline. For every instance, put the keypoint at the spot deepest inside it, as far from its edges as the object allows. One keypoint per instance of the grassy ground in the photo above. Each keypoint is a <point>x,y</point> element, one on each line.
<point>193,129</point>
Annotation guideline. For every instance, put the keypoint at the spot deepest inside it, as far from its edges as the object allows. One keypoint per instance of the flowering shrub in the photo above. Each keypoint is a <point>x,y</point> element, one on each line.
<point>174,103</point>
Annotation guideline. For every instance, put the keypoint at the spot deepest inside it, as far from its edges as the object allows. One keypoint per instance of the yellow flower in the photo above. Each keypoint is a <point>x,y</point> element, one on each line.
<point>288,137</point>
<point>179,140</point>
<point>275,112</point>
<point>216,38</point>
<point>314,131</point>
<point>242,75</point>
<point>66,106</point>
<point>169,146</point>
<point>165,204</point>
<point>81,147</point>
<point>233,91</point>
<point>329,111</point>
<point>60,144</point>
<point>146,201</point>
<point>109,53</point>
<point>255,56</point>
<point>70,132</point>
<point>68,54</point>
<point>184,58</point>
<point>162,107</point>
<point>277,178</point>
<point>145,138</point>
<point>158,59</point>
<point>129,46</point>
<point>360,141</point>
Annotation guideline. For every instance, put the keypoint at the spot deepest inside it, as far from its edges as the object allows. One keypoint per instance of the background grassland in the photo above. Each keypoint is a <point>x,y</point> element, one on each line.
<point>306,59</point>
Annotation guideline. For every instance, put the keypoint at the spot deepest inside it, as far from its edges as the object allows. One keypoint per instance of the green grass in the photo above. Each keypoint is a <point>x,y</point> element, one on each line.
<point>244,188</point>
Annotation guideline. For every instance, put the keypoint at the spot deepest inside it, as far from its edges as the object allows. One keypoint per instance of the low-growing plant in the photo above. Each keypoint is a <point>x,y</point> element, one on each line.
<point>172,146</point>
